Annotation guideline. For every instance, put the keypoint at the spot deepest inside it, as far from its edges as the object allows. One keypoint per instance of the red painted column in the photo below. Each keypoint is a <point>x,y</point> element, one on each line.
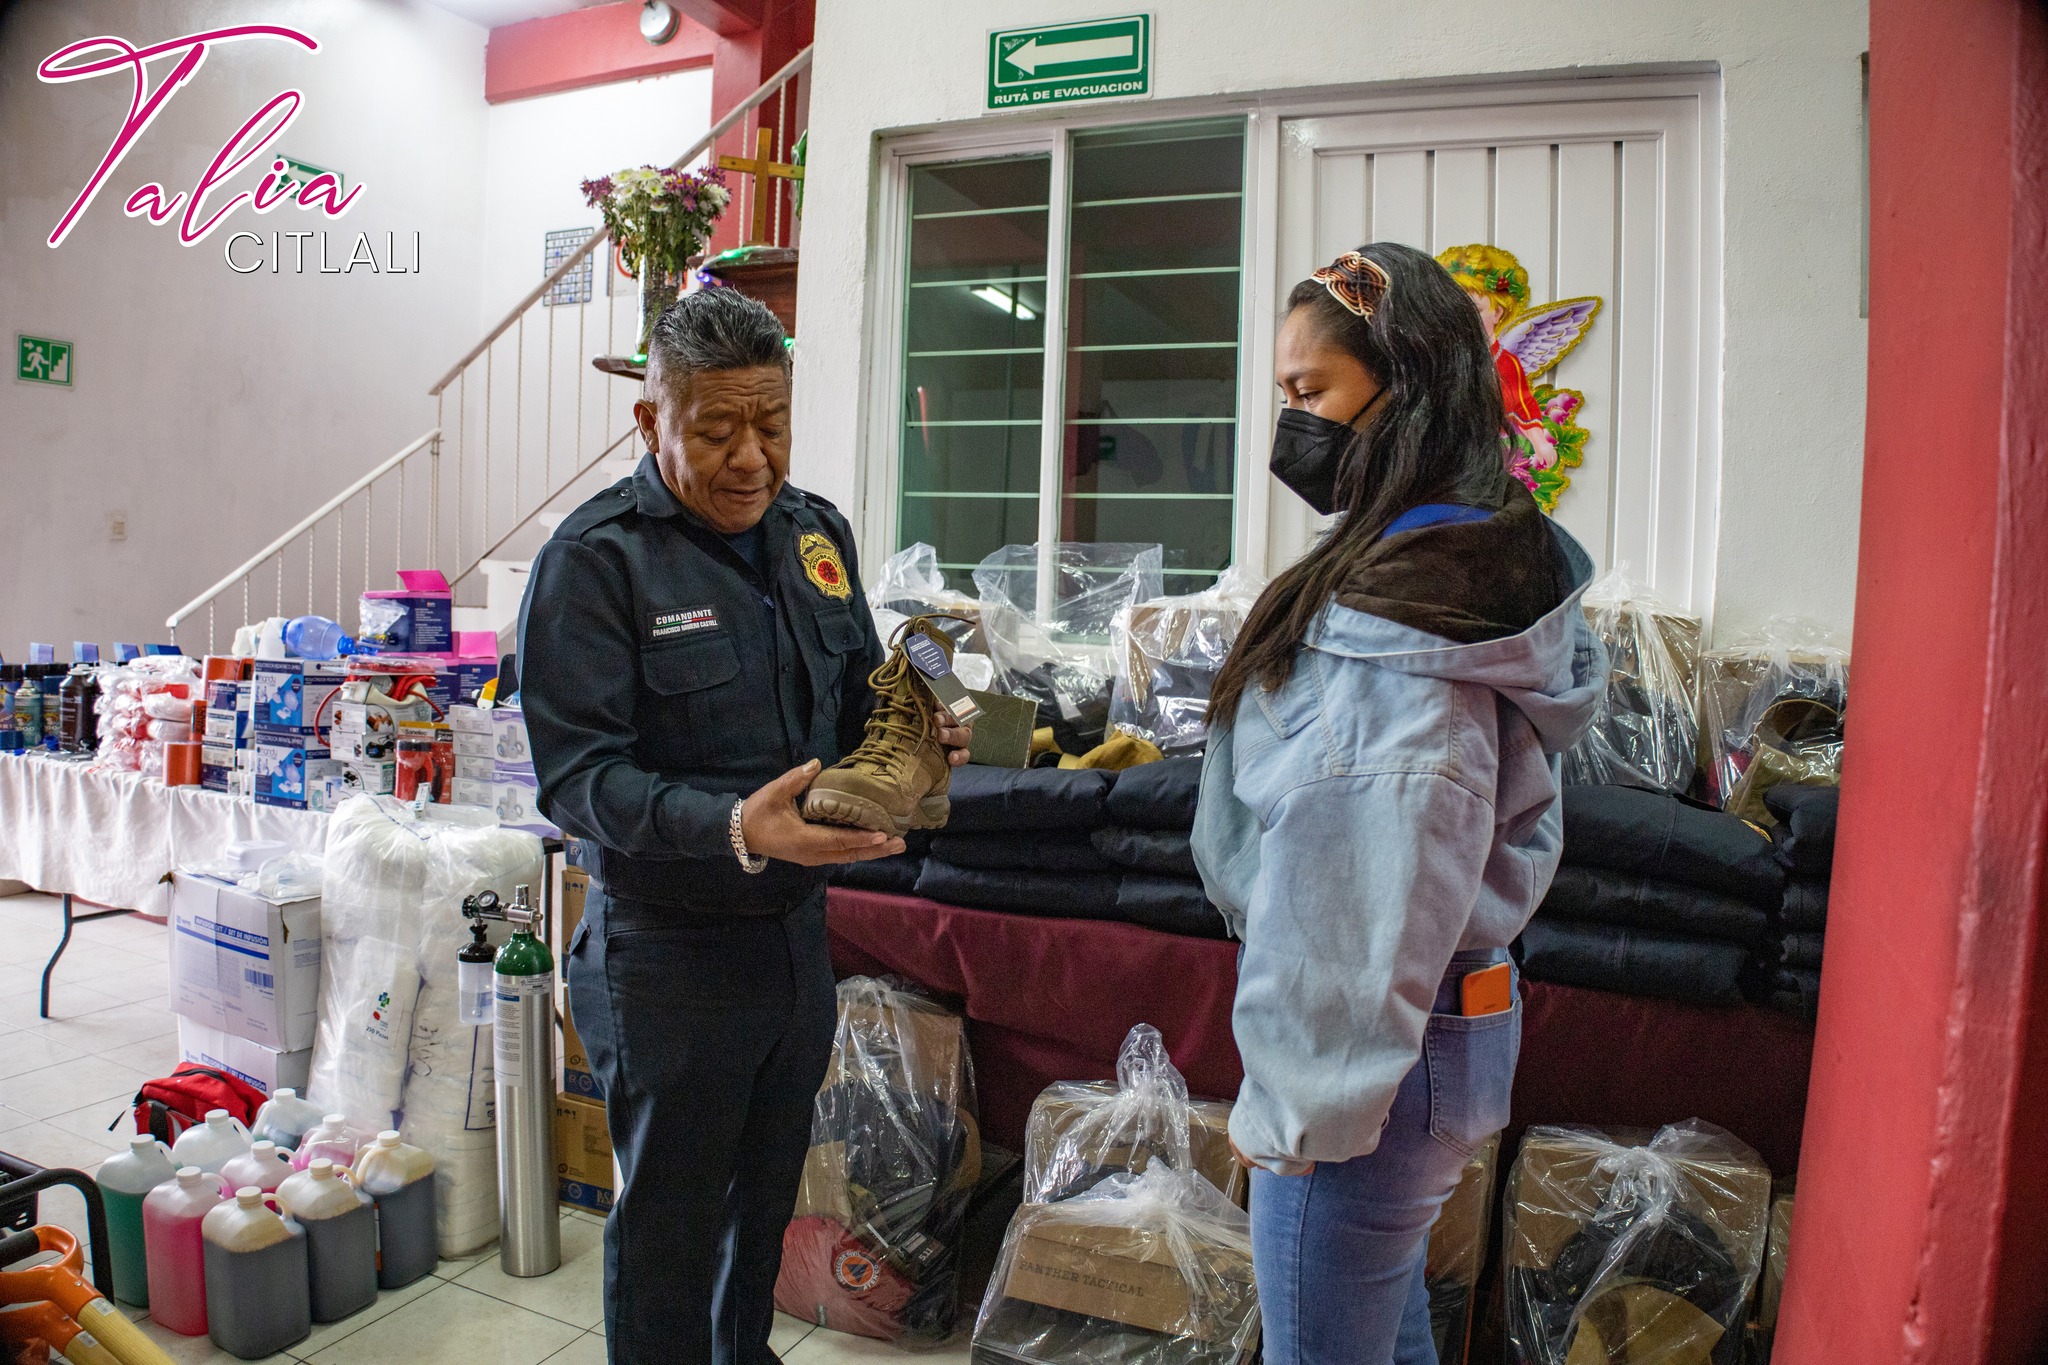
<point>1921,1228</point>
<point>740,64</point>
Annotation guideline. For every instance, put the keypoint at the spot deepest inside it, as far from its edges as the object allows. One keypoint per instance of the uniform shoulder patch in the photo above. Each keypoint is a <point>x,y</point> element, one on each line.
<point>823,565</point>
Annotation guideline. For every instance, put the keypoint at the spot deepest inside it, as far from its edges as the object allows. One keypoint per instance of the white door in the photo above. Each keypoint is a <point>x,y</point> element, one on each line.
<point>1617,197</point>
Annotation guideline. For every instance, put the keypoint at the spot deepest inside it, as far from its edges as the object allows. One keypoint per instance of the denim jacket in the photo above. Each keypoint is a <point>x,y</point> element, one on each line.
<point>1394,802</point>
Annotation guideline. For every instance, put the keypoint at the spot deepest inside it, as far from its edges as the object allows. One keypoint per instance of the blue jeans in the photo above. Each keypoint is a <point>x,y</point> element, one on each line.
<point>1339,1252</point>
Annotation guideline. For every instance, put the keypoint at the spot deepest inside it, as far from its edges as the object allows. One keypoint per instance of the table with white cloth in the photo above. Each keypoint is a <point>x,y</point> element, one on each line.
<point>113,838</point>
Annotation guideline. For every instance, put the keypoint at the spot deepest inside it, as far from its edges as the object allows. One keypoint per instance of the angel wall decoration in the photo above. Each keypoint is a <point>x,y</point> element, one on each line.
<point>1544,438</point>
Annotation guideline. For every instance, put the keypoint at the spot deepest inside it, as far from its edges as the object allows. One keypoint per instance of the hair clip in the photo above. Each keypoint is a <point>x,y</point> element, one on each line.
<point>1356,281</point>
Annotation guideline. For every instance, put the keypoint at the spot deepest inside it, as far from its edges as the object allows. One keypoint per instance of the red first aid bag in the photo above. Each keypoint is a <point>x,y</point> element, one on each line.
<point>169,1105</point>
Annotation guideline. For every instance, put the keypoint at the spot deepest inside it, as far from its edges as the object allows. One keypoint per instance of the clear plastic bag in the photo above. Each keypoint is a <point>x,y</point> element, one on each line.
<point>1647,731</point>
<point>1644,1252</point>
<point>389,1050</point>
<point>1082,1132</point>
<point>1147,1269</point>
<point>137,701</point>
<point>1457,1253</point>
<point>910,583</point>
<point>1060,650</point>
<point>1168,653</point>
<point>1772,710</point>
<point>874,1246</point>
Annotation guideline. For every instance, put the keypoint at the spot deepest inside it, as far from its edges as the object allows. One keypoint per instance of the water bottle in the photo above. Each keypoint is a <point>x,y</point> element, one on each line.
<point>341,1238</point>
<point>209,1145</point>
<point>171,1215</point>
<point>124,1181</point>
<point>400,1177</point>
<point>284,1117</point>
<point>332,1138</point>
<point>316,637</point>
<point>264,1166</point>
<point>258,1289</point>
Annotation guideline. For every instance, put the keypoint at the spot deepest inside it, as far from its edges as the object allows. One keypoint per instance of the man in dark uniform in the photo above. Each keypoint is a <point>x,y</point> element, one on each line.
<point>694,645</point>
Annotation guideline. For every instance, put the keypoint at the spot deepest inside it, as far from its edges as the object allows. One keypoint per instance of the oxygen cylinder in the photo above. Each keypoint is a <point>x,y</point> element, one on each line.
<point>523,1029</point>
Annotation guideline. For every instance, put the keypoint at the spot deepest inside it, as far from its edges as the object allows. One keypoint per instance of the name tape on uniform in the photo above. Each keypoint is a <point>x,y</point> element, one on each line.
<point>666,625</point>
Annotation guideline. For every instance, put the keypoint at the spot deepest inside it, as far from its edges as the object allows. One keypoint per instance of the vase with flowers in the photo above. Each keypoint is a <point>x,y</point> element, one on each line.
<point>658,218</point>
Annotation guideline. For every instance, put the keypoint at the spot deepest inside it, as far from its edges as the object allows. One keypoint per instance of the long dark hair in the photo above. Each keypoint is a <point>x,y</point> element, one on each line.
<point>1436,437</point>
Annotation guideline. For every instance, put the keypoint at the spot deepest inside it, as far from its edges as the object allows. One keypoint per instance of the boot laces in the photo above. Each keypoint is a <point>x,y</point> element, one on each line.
<point>902,718</point>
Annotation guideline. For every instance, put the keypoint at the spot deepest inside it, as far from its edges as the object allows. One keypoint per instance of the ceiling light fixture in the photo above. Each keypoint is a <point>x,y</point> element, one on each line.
<point>659,21</point>
<point>996,298</point>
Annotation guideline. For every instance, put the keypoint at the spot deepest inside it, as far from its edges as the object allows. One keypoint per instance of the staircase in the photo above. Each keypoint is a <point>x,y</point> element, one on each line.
<point>524,430</point>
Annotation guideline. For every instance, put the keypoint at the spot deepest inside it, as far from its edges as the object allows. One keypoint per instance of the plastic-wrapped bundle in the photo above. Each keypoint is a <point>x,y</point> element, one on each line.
<point>1062,657</point>
<point>389,1051</point>
<point>874,1248</point>
<point>1457,1253</point>
<point>1647,732</point>
<point>1081,1132</point>
<point>1645,1253</point>
<point>909,584</point>
<point>1146,1269</point>
<point>1168,653</point>
<point>145,704</point>
<point>1771,710</point>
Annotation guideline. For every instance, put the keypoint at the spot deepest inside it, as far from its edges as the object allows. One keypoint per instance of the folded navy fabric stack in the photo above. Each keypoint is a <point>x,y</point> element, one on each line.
<point>1789,978</point>
<point>1655,896</point>
<point>1068,843</point>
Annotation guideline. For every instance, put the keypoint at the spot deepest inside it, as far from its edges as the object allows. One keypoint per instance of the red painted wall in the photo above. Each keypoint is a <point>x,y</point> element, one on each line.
<point>585,47</point>
<point>743,63</point>
<point>1921,1228</point>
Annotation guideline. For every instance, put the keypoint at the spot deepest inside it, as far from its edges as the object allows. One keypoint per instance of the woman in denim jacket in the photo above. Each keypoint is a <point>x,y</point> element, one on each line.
<point>1379,812</point>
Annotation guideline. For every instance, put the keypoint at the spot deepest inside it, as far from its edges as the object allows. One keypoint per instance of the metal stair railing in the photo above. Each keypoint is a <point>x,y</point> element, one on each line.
<point>514,444</point>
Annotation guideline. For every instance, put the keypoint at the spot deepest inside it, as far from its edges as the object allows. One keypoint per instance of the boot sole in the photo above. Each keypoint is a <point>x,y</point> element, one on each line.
<point>858,812</point>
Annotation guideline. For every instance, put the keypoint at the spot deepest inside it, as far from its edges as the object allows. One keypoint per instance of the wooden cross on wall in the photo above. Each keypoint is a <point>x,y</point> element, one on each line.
<point>761,166</point>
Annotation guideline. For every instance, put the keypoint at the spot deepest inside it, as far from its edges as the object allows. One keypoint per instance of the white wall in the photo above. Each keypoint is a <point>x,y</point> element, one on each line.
<point>1793,346</point>
<point>213,408</point>
<point>538,151</point>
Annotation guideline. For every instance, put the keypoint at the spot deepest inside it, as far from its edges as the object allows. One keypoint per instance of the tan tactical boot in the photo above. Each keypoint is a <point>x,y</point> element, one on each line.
<point>897,779</point>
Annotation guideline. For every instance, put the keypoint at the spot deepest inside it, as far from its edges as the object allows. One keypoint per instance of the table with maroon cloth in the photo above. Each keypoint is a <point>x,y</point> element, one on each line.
<point>1051,999</point>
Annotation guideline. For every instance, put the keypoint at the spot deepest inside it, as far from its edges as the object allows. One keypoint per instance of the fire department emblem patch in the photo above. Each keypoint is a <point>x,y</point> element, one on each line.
<point>823,566</point>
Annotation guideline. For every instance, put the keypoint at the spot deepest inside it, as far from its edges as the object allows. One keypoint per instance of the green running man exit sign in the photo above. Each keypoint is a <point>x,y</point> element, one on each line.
<point>1092,60</point>
<point>41,360</point>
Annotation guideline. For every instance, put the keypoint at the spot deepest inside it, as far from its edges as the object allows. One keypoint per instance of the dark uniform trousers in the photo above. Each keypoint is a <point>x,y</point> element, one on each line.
<point>664,677</point>
<point>710,1036</point>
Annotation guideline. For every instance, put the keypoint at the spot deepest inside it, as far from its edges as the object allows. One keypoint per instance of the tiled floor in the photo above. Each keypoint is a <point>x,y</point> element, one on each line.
<point>63,1080</point>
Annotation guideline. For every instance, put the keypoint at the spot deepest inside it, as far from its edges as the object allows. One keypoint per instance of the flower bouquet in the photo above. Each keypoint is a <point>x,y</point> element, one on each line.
<point>658,218</point>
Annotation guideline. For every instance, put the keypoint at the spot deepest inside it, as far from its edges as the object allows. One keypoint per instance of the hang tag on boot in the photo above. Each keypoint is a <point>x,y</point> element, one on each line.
<point>929,659</point>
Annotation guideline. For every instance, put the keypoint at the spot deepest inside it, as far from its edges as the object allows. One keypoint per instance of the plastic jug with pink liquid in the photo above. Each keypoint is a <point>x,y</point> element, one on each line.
<point>209,1145</point>
<point>264,1165</point>
<point>332,1138</point>
<point>171,1215</point>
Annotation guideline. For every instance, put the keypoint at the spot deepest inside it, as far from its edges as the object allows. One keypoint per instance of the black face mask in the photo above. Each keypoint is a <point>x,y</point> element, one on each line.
<point>1308,451</point>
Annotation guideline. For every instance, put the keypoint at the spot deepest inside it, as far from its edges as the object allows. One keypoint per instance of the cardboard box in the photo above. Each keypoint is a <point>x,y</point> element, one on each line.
<point>469,720</point>
<point>291,694</point>
<point>1458,1243</point>
<point>417,617</point>
<point>518,803</point>
<point>1056,1110</point>
<point>244,965</point>
<point>288,768</point>
<point>461,681</point>
<point>576,1074</point>
<point>470,793</point>
<point>583,1154</point>
<point>469,744</point>
<point>508,732</point>
<point>216,762</point>
<point>475,769</point>
<point>265,1068</point>
<point>1127,1275</point>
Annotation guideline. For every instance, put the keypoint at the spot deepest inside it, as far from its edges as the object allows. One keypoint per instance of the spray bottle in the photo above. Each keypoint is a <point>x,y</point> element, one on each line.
<point>11,677</point>
<point>523,1035</point>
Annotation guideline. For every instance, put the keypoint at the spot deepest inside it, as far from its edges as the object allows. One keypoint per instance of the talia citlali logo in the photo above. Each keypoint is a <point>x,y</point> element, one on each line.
<point>245,176</point>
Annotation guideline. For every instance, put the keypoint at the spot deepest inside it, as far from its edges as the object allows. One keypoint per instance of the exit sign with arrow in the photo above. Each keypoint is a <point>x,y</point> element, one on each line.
<point>1095,59</point>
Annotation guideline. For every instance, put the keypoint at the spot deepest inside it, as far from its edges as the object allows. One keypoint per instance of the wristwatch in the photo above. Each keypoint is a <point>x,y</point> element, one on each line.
<point>739,842</point>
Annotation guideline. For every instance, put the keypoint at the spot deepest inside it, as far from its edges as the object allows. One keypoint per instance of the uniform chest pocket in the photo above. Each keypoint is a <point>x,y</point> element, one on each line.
<point>838,631</point>
<point>696,709</point>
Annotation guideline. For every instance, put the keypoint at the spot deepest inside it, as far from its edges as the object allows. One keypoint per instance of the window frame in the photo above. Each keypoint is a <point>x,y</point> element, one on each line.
<point>881,480</point>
